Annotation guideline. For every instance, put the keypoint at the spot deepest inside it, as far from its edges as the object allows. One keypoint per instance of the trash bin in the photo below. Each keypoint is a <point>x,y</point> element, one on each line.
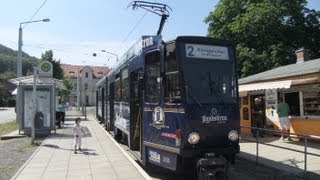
<point>38,120</point>
<point>58,118</point>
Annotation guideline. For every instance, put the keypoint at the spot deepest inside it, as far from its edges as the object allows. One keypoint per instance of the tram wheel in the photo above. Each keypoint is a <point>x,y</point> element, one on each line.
<point>211,174</point>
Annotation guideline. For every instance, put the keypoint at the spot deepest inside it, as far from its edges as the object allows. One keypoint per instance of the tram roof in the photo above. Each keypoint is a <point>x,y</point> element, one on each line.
<point>101,81</point>
<point>137,48</point>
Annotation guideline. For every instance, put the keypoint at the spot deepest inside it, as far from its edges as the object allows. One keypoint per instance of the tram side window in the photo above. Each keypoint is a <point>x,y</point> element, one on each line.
<point>125,85</point>
<point>117,88</point>
<point>152,71</point>
<point>172,88</point>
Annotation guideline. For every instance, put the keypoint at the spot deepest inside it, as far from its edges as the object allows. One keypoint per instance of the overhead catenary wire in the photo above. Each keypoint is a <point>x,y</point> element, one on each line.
<point>132,30</point>
<point>121,45</point>
<point>44,2</point>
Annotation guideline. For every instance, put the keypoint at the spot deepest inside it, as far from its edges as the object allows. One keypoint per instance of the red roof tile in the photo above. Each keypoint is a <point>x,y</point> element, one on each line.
<point>72,70</point>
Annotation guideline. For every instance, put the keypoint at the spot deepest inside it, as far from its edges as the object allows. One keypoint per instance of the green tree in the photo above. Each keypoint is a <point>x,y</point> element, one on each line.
<point>7,75</point>
<point>266,32</point>
<point>68,83</point>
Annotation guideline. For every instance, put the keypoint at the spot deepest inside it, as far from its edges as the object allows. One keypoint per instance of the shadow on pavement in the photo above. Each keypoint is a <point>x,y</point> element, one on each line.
<point>85,151</point>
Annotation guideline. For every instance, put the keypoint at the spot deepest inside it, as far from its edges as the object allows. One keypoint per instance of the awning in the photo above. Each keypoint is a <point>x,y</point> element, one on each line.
<point>265,85</point>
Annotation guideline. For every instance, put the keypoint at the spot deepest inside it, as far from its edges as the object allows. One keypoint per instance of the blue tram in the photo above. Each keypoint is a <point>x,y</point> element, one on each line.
<point>101,99</point>
<point>175,102</point>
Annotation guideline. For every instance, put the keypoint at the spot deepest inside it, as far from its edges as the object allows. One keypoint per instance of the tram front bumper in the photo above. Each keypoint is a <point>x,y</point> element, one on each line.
<point>200,152</point>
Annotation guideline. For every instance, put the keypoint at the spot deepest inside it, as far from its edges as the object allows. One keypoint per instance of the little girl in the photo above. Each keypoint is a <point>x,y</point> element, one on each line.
<point>77,132</point>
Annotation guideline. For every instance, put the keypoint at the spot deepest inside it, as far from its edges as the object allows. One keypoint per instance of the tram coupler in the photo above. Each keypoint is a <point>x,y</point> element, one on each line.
<point>212,168</point>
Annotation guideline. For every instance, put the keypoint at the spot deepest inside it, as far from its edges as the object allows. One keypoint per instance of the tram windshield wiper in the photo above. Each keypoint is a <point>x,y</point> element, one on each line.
<point>193,97</point>
<point>210,83</point>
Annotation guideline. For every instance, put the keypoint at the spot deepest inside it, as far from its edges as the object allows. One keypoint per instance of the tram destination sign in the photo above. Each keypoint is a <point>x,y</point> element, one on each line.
<point>206,52</point>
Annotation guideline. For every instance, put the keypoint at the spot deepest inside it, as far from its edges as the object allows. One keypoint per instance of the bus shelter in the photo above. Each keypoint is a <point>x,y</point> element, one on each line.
<point>46,95</point>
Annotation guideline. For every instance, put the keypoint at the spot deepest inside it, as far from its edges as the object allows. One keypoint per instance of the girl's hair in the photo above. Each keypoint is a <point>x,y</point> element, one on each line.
<point>77,119</point>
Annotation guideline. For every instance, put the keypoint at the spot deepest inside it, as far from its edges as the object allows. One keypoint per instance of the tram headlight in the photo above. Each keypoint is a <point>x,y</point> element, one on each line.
<point>233,135</point>
<point>193,138</point>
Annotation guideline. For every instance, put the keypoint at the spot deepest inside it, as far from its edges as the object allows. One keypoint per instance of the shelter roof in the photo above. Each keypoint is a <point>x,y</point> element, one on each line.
<point>29,80</point>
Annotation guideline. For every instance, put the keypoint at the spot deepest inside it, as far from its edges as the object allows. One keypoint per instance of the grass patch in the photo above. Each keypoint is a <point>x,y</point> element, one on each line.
<point>26,146</point>
<point>8,127</point>
<point>6,168</point>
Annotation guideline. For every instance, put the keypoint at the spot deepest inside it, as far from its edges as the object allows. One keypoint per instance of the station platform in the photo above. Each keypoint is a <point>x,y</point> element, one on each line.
<point>285,160</point>
<point>101,157</point>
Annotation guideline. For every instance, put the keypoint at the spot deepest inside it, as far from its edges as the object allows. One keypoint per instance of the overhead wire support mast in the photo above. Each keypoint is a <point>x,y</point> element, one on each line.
<point>156,8</point>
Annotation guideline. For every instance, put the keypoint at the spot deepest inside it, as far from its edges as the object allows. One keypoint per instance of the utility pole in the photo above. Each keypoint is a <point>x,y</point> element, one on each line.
<point>35,103</point>
<point>85,104</point>
<point>19,61</point>
<point>78,91</point>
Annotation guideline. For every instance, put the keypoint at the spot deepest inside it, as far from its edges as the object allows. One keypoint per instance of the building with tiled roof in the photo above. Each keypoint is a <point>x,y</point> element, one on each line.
<point>298,84</point>
<point>84,79</point>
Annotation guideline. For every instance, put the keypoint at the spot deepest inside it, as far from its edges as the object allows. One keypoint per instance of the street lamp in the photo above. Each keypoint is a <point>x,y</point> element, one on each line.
<point>110,53</point>
<point>35,73</point>
<point>19,60</point>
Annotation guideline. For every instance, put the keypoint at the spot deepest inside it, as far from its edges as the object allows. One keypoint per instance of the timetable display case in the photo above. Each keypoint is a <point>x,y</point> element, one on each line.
<point>311,101</point>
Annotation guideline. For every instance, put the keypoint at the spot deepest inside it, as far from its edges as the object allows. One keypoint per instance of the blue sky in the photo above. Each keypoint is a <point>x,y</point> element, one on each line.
<point>79,28</point>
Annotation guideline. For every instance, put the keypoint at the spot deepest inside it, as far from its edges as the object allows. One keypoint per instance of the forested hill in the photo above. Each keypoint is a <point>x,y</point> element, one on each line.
<point>8,51</point>
<point>8,63</point>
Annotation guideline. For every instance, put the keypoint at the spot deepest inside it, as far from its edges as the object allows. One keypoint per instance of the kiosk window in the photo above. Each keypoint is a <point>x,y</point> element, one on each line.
<point>245,100</point>
<point>311,102</point>
<point>245,113</point>
<point>152,71</point>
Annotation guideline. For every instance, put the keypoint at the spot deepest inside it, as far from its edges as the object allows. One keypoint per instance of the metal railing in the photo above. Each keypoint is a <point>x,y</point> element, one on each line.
<point>300,136</point>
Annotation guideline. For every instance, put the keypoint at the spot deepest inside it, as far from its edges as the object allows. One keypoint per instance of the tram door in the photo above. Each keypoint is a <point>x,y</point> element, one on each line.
<point>135,111</point>
<point>262,104</point>
<point>111,106</point>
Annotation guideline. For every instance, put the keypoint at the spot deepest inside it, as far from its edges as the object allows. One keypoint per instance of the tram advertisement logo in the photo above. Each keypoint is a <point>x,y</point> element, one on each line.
<point>214,117</point>
<point>154,156</point>
<point>158,118</point>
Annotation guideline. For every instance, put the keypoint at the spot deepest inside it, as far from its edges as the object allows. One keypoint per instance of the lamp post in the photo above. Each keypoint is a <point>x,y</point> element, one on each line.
<point>110,53</point>
<point>35,75</point>
<point>78,90</point>
<point>35,103</point>
<point>19,60</point>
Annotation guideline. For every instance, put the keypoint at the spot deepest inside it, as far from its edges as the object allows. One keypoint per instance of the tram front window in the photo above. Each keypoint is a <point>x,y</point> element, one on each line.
<point>209,81</point>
